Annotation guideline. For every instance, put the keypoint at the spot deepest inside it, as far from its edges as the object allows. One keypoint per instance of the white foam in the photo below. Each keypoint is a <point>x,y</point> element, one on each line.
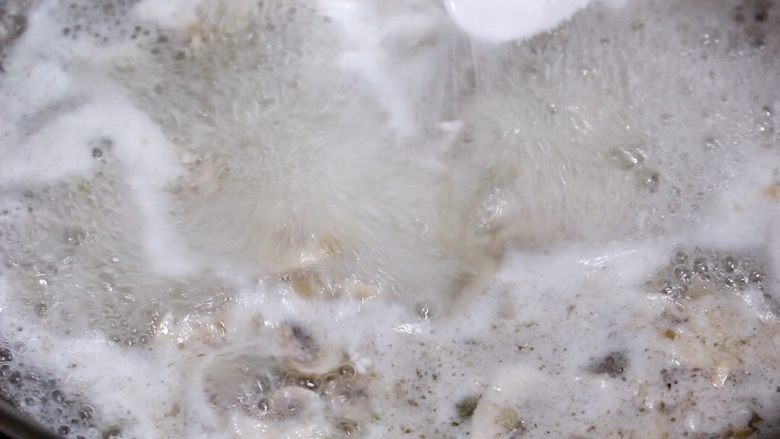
<point>504,20</point>
<point>283,188</point>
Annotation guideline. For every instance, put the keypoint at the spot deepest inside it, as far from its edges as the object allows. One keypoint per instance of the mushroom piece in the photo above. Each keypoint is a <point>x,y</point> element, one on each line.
<point>497,415</point>
<point>305,355</point>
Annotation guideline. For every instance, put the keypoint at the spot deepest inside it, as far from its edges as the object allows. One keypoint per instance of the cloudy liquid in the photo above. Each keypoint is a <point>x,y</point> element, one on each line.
<point>347,219</point>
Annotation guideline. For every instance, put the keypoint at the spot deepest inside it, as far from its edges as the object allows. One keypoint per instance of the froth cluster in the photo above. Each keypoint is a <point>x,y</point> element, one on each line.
<point>346,218</point>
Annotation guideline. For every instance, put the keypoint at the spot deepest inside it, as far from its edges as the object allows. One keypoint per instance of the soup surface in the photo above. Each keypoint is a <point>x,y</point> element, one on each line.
<point>347,218</point>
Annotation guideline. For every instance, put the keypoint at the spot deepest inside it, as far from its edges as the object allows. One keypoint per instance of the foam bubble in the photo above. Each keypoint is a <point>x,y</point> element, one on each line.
<point>286,219</point>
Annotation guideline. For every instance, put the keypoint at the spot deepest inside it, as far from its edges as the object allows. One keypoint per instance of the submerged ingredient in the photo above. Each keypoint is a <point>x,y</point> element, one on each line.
<point>343,218</point>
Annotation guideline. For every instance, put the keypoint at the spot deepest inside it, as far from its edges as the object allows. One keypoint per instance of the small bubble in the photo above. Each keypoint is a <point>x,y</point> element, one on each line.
<point>97,153</point>
<point>756,276</point>
<point>765,125</point>
<point>699,265</point>
<point>347,371</point>
<point>649,180</point>
<point>15,377</point>
<point>424,310</point>
<point>6,354</point>
<point>729,264</point>
<point>58,396</point>
<point>264,405</point>
<point>290,407</point>
<point>308,383</point>
<point>711,143</point>
<point>63,430</point>
<point>86,412</point>
<point>348,426</point>
<point>675,290</point>
<point>683,274</point>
